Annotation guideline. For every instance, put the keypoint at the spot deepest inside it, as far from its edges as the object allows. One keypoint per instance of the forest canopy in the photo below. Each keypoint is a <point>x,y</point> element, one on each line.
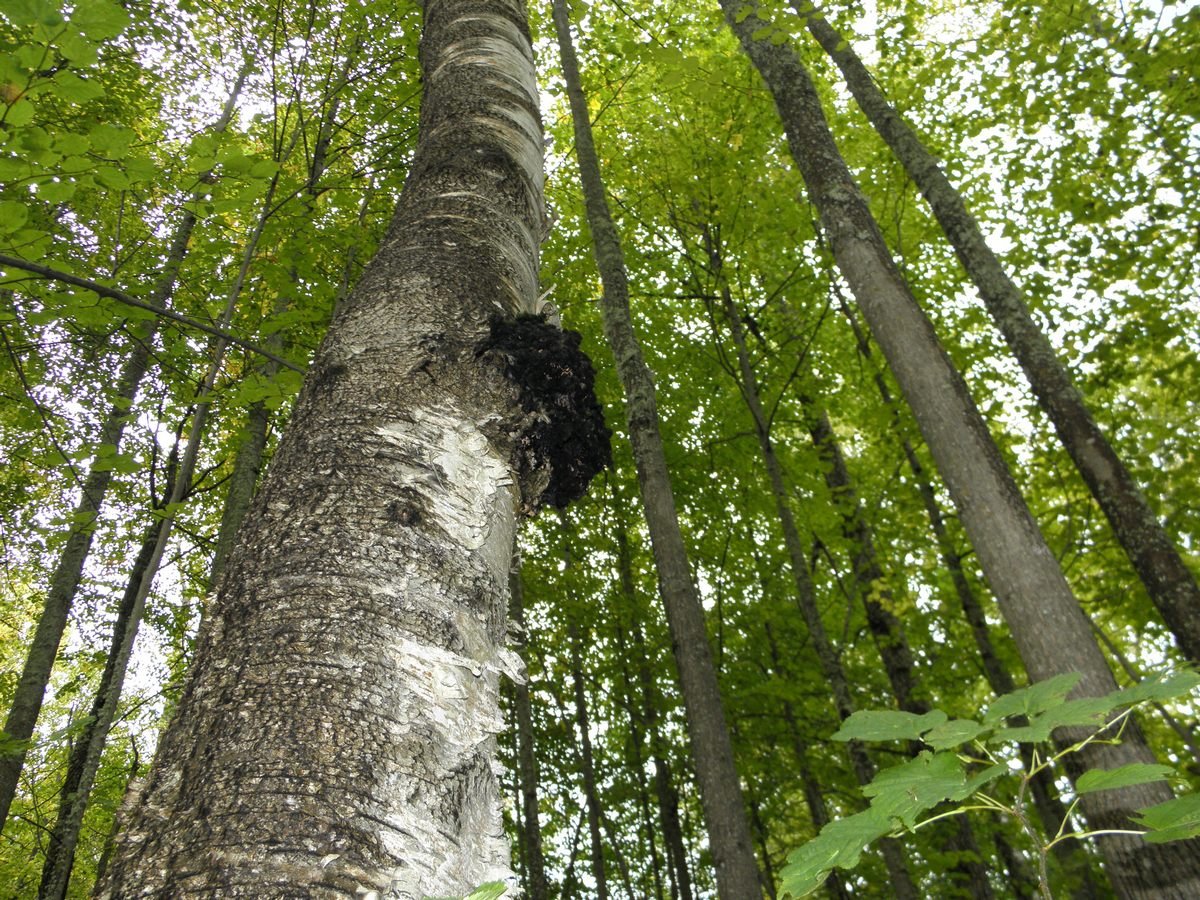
<point>191,192</point>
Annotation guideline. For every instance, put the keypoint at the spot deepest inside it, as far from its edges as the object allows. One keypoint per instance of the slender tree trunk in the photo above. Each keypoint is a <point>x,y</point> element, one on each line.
<point>337,732</point>
<point>1172,586</point>
<point>805,594</point>
<point>587,764</point>
<point>1047,623</point>
<point>64,582</point>
<point>712,750</point>
<point>83,762</point>
<point>87,753</point>
<point>535,884</point>
<point>664,788</point>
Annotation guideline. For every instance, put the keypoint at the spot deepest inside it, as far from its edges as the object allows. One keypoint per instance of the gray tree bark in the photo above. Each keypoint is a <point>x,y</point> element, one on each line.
<point>1051,631</point>
<point>336,736</point>
<point>805,594</point>
<point>536,887</point>
<point>1156,559</point>
<point>712,749</point>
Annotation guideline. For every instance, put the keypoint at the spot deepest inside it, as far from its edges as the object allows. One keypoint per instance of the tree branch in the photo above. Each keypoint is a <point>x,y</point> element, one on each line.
<point>122,297</point>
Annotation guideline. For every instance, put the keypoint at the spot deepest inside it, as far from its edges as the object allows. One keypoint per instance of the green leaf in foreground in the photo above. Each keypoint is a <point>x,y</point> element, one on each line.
<point>954,733</point>
<point>888,725</point>
<point>1034,699</point>
<point>1172,821</point>
<point>493,890</point>
<point>1163,687</point>
<point>1123,776</point>
<point>909,789</point>
<point>839,846</point>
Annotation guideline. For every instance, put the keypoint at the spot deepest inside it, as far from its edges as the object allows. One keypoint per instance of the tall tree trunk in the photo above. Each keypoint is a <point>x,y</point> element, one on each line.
<point>664,789</point>
<point>1172,586</point>
<point>64,582</point>
<point>587,764</point>
<point>1047,623</point>
<point>337,733</point>
<point>712,750</point>
<point>535,884</point>
<point>1071,855</point>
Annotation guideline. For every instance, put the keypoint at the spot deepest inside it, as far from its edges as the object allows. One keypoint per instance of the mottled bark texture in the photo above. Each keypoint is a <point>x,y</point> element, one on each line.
<point>1049,627</point>
<point>712,750</point>
<point>1172,586</point>
<point>336,734</point>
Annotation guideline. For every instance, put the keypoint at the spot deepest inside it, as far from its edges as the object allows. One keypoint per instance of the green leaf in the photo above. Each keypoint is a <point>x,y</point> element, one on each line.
<point>909,789</point>
<point>13,215</point>
<point>490,891</point>
<point>1173,820</point>
<point>953,733</point>
<point>71,87</point>
<point>1165,687</point>
<point>112,177</point>
<point>264,168</point>
<point>1033,699</point>
<point>33,12</point>
<point>57,191</point>
<point>72,144</point>
<point>111,140</point>
<point>1123,776</point>
<point>980,780</point>
<point>78,49</point>
<point>1089,711</point>
<point>888,725</point>
<point>839,845</point>
<point>20,113</point>
<point>99,20</point>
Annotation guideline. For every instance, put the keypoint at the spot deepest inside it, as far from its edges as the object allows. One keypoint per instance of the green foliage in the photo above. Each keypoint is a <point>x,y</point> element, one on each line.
<point>969,757</point>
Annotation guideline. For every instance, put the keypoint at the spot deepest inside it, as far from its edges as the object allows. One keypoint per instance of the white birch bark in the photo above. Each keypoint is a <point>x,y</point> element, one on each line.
<point>337,734</point>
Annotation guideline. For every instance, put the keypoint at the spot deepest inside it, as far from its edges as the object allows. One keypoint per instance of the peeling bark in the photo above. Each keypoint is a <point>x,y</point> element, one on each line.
<point>337,733</point>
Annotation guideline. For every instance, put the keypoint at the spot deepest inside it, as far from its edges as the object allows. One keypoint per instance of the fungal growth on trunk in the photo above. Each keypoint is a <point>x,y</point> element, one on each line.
<point>563,441</point>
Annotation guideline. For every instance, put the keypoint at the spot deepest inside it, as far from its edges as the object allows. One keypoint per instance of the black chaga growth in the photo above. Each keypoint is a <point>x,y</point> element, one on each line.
<point>565,427</point>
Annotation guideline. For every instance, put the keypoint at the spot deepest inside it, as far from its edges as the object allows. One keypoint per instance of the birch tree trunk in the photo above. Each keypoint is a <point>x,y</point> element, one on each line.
<point>1155,558</point>
<point>712,750</point>
<point>1049,627</point>
<point>337,734</point>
